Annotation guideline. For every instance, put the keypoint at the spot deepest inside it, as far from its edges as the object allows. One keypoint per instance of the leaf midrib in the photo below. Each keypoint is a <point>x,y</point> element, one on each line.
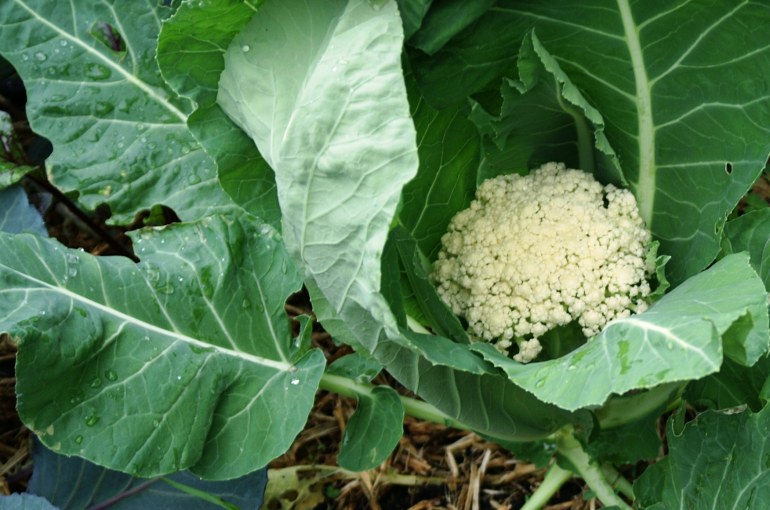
<point>42,286</point>
<point>644,188</point>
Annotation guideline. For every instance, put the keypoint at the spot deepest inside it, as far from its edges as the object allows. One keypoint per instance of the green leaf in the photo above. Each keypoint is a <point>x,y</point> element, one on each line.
<point>11,153</point>
<point>718,460</point>
<point>70,482</point>
<point>26,502</point>
<point>681,337</point>
<point>356,366</point>
<point>191,50</point>
<point>627,444</point>
<point>733,386</point>
<point>187,357</point>
<point>444,20</point>
<point>448,149</point>
<point>324,99</point>
<point>436,313</point>
<point>412,13</point>
<point>373,431</point>
<point>751,232</point>
<point>17,214</point>
<point>658,80</point>
<point>544,118</point>
<point>120,135</point>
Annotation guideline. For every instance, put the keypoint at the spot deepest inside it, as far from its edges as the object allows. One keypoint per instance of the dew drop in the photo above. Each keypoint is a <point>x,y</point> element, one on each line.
<point>152,273</point>
<point>63,43</point>
<point>155,423</point>
<point>97,72</point>
<point>179,378</point>
<point>245,304</point>
<point>92,420</point>
<point>245,48</point>
<point>572,367</point>
<point>295,382</point>
<point>540,383</point>
<point>79,439</point>
<point>96,383</point>
<point>111,375</point>
<point>193,179</point>
<point>40,56</point>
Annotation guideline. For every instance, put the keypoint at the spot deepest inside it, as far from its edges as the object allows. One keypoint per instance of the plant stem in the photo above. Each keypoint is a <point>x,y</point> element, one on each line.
<point>618,481</point>
<point>552,482</point>
<point>590,471</point>
<point>412,407</point>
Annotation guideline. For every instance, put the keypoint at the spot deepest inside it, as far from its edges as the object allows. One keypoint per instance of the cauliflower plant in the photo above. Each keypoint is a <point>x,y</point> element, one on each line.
<point>538,251</point>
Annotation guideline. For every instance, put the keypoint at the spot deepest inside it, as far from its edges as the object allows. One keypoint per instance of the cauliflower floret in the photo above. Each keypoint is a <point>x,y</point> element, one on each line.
<point>538,251</point>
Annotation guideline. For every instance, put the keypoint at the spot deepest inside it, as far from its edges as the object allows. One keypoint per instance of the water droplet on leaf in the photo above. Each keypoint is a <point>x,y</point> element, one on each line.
<point>97,72</point>
<point>40,56</point>
<point>245,48</point>
<point>96,383</point>
<point>111,375</point>
<point>295,382</point>
<point>79,439</point>
<point>92,420</point>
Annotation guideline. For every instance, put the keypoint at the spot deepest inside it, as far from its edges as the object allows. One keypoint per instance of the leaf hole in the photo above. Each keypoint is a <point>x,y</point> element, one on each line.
<point>729,168</point>
<point>108,36</point>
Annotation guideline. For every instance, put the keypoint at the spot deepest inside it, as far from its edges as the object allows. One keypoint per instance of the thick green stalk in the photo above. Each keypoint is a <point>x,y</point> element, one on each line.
<point>588,469</point>
<point>552,482</point>
<point>412,407</point>
<point>618,481</point>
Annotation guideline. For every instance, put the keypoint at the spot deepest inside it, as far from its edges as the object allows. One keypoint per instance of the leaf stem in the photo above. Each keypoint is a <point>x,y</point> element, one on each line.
<point>555,477</point>
<point>412,407</point>
<point>588,469</point>
<point>618,481</point>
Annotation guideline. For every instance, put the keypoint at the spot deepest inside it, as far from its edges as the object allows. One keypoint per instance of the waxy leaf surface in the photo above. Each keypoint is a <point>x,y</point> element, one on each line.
<point>719,460</point>
<point>690,141</point>
<point>187,357</point>
<point>94,89</point>
<point>684,336</point>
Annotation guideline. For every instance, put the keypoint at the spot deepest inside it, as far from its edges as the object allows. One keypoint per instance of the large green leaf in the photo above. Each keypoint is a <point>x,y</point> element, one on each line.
<point>448,148</point>
<point>719,460</point>
<point>94,89</point>
<point>690,143</point>
<point>191,51</point>
<point>733,386</point>
<point>74,484</point>
<point>323,96</point>
<point>543,117</point>
<point>325,101</point>
<point>722,311</point>
<point>186,357</point>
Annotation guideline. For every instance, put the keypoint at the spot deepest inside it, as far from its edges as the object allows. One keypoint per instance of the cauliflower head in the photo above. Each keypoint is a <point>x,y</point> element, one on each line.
<point>539,251</point>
